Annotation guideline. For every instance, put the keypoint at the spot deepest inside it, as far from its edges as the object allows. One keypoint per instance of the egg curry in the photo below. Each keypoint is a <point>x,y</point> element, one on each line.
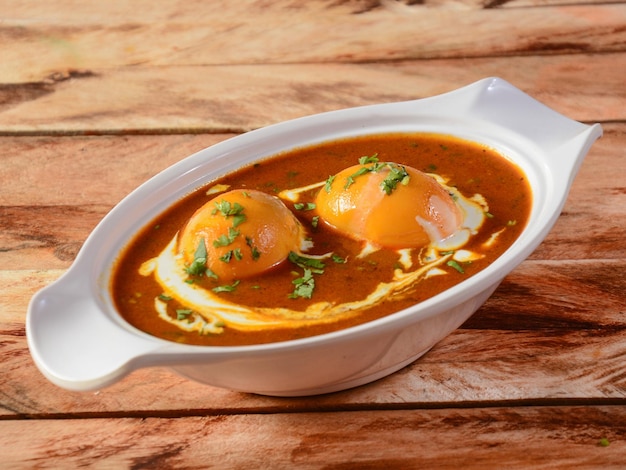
<point>321,238</point>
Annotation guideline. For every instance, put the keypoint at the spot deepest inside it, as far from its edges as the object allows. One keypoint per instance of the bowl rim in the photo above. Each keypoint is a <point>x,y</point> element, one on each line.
<point>473,112</point>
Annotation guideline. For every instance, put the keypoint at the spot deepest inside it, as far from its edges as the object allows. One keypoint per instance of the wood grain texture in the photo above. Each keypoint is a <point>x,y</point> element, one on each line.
<point>222,99</point>
<point>528,438</point>
<point>97,97</point>
<point>116,34</point>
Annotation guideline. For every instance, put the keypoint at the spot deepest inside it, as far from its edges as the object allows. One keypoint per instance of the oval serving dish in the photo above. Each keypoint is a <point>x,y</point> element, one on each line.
<point>79,341</point>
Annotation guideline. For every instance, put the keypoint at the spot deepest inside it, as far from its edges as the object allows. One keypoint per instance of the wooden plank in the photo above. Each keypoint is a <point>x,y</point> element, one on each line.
<point>45,43</point>
<point>531,342</point>
<point>528,438</point>
<point>515,369</point>
<point>44,220</point>
<point>534,379</point>
<point>562,295</point>
<point>222,99</point>
<point>472,4</point>
<point>35,171</point>
<point>117,11</point>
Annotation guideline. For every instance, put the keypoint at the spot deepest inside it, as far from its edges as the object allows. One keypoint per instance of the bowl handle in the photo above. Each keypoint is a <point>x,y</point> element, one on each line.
<point>564,141</point>
<point>74,343</point>
<point>568,157</point>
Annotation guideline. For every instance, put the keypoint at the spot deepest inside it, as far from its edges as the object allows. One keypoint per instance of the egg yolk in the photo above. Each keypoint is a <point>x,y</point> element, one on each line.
<point>244,233</point>
<point>388,205</point>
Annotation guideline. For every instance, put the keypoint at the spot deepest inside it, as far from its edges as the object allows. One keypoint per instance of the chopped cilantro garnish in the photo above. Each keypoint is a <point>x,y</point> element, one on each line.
<point>226,239</point>
<point>350,179</point>
<point>338,259</point>
<point>199,260</point>
<point>304,286</point>
<point>316,265</point>
<point>329,183</point>
<point>255,251</point>
<point>226,257</point>
<point>165,297</point>
<point>300,206</point>
<point>455,265</point>
<point>238,219</point>
<point>397,174</point>
<point>315,221</point>
<point>227,209</point>
<point>226,288</point>
<point>183,313</point>
<point>365,159</point>
<point>230,210</point>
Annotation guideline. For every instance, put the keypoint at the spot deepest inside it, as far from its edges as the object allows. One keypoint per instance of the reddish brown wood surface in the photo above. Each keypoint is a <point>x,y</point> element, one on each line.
<point>96,98</point>
<point>236,98</point>
<point>522,437</point>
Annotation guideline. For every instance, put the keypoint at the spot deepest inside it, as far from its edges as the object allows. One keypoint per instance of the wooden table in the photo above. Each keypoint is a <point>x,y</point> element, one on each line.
<point>96,97</point>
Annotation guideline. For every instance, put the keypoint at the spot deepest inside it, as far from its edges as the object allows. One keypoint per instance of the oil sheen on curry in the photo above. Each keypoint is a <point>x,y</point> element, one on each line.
<point>321,238</point>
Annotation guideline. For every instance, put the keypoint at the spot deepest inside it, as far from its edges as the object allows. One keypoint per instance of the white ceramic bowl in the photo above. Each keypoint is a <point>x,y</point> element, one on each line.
<point>79,342</point>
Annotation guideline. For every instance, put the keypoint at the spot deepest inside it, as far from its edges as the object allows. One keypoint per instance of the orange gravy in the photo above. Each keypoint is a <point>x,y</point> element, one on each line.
<point>468,166</point>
